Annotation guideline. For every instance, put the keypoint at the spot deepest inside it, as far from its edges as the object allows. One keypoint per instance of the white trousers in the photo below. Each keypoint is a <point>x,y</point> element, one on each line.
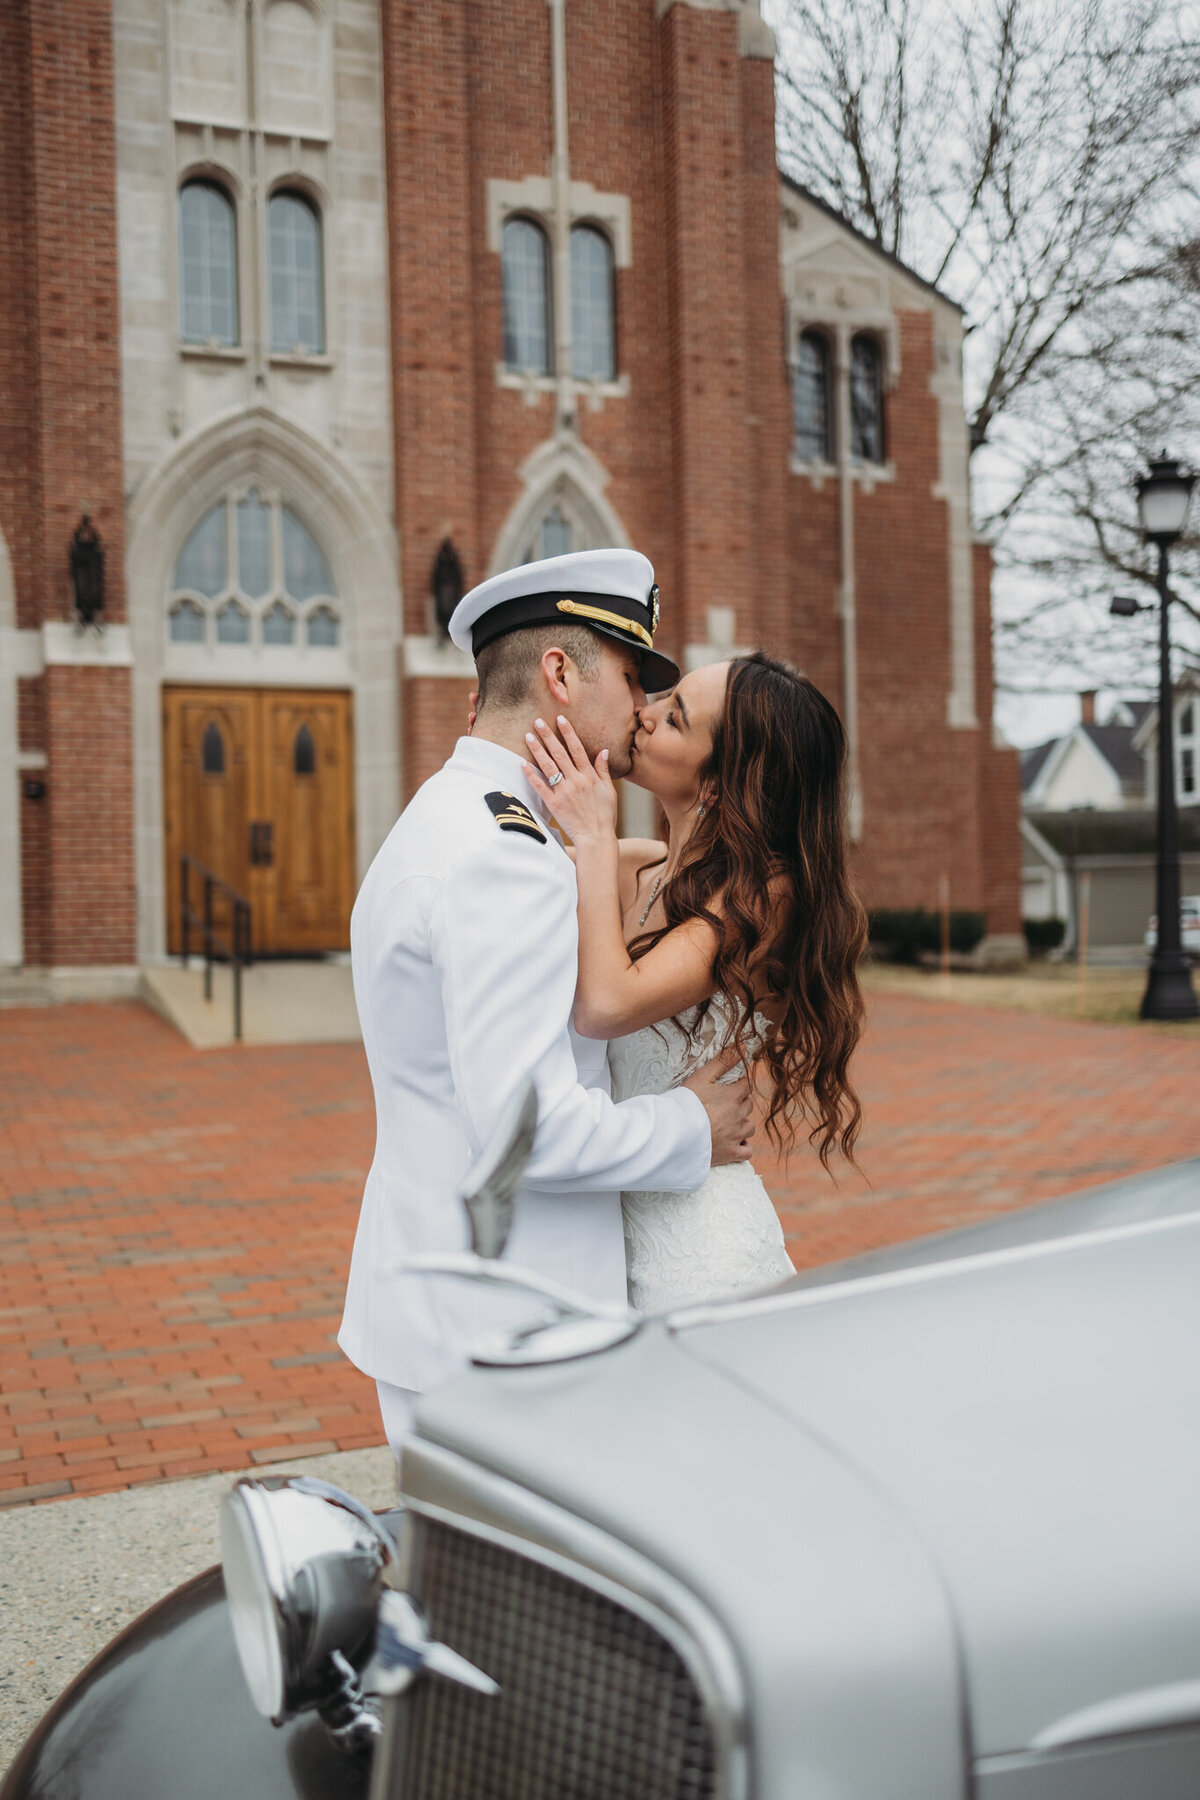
<point>396,1405</point>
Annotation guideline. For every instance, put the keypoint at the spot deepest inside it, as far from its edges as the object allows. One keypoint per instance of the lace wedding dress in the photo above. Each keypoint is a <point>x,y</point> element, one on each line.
<point>726,1237</point>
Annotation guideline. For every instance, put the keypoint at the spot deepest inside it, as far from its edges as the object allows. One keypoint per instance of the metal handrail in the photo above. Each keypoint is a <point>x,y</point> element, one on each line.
<point>236,951</point>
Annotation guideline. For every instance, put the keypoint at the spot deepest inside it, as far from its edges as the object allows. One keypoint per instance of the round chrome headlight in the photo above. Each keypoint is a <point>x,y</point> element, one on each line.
<point>304,1567</point>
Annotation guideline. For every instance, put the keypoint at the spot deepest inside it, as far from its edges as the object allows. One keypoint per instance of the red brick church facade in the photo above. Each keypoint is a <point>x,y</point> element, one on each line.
<point>406,419</point>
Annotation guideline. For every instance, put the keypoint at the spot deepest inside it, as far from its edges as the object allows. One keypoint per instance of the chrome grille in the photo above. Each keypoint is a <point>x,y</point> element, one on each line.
<point>594,1703</point>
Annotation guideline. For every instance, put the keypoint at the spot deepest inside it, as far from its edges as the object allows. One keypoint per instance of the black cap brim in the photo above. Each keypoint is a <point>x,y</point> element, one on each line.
<point>657,671</point>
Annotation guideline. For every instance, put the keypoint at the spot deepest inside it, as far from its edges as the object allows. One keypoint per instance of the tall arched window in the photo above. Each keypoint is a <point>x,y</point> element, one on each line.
<point>866,400</point>
<point>526,269</point>
<point>208,309</point>
<point>252,575</point>
<point>812,410</point>
<point>554,535</point>
<point>593,314</point>
<point>297,287</point>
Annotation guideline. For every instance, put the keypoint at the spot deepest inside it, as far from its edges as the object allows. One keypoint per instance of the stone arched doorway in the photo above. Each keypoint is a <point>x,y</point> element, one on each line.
<point>264,611</point>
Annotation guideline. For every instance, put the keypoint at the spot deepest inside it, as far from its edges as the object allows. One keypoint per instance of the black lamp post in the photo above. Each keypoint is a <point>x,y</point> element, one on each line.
<point>1164,495</point>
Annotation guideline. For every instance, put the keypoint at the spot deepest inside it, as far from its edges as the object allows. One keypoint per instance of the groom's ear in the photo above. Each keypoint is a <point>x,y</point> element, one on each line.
<point>555,664</point>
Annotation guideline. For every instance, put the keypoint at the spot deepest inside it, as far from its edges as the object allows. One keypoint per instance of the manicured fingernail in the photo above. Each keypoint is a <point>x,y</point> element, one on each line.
<point>562,718</point>
<point>529,738</point>
<point>540,723</point>
<point>604,756</point>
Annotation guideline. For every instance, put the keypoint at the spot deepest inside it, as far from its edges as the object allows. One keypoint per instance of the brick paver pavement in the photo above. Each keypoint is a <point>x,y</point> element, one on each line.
<point>176,1224</point>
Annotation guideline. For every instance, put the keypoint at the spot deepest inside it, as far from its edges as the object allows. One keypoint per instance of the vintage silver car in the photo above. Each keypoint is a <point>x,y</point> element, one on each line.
<point>920,1527</point>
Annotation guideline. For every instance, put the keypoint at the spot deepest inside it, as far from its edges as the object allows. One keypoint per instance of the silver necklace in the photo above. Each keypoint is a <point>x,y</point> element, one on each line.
<point>653,895</point>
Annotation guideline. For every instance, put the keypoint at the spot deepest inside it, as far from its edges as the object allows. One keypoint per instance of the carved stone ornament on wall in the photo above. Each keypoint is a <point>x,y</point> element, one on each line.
<point>87,573</point>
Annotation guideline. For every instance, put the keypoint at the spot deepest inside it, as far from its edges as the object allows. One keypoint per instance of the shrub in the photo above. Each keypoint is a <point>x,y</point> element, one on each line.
<point>904,935</point>
<point>1043,935</point>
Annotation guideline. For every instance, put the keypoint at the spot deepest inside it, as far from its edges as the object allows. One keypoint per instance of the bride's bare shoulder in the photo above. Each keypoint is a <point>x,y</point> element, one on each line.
<point>640,853</point>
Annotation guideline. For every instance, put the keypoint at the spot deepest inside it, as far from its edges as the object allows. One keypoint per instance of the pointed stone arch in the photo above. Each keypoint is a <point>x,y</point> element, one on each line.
<point>561,471</point>
<point>260,445</point>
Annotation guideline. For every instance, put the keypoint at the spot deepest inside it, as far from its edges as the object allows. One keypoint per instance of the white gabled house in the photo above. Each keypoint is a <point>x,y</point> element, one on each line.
<point>1088,803</point>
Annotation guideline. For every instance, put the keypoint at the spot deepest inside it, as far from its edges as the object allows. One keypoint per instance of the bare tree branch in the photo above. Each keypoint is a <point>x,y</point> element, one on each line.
<point>1038,160</point>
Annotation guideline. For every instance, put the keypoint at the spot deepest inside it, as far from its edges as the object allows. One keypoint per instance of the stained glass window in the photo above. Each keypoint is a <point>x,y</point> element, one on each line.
<point>202,561</point>
<point>294,256</point>
<point>525,263</point>
<point>186,623</point>
<point>866,400</point>
<point>324,628</point>
<point>279,625</point>
<point>305,571</point>
<point>208,311</point>
<point>304,753</point>
<point>593,345</point>
<point>557,536</point>
<point>254,546</point>
<point>811,393</point>
<point>233,624</point>
<point>253,569</point>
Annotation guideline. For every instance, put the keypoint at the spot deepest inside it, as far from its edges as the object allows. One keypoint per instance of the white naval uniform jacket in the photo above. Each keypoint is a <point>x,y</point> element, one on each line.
<point>465,951</point>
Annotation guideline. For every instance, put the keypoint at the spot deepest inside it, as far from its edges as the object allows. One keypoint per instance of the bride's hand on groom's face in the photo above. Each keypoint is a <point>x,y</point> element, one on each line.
<point>578,792</point>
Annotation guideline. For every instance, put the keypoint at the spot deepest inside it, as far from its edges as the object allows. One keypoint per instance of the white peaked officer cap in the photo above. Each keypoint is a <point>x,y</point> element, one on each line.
<point>611,591</point>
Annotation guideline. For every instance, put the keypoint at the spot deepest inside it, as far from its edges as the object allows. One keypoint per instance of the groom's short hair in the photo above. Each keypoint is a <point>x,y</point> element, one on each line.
<point>508,665</point>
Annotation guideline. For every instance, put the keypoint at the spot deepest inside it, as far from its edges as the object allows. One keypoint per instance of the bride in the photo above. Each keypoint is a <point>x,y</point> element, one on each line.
<point>741,930</point>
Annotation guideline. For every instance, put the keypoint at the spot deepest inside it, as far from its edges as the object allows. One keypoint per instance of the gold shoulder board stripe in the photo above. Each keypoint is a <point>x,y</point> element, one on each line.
<point>512,814</point>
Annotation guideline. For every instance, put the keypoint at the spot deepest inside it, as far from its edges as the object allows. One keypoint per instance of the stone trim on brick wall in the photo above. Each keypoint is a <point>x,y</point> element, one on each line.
<point>436,658</point>
<point>90,647</point>
<point>560,468</point>
<point>755,37</point>
<point>835,283</point>
<point>535,196</point>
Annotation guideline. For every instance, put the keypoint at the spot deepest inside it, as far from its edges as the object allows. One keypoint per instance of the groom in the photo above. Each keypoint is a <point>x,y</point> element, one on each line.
<point>465,953</point>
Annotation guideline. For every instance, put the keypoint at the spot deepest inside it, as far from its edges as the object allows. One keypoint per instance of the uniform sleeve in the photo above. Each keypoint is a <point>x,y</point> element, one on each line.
<point>504,942</point>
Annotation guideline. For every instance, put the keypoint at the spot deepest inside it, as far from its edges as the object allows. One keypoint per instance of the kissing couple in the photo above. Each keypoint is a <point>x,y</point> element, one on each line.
<point>634,981</point>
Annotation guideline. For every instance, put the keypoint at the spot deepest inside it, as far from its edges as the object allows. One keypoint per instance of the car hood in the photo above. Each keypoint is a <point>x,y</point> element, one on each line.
<point>829,1606</point>
<point>1034,1413</point>
<point>966,1482</point>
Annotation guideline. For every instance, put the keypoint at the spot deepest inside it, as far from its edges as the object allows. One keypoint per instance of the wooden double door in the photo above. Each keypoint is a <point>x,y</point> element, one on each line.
<point>259,788</point>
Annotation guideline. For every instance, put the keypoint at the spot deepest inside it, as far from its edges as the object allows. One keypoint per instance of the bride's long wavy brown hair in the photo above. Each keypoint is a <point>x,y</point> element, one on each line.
<point>766,865</point>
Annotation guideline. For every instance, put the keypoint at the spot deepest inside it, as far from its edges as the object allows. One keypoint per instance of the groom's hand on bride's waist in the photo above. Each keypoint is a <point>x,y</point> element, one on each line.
<point>729,1106</point>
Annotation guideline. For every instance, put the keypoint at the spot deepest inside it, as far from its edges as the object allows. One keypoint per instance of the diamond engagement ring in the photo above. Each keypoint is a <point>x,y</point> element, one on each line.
<point>553,780</point>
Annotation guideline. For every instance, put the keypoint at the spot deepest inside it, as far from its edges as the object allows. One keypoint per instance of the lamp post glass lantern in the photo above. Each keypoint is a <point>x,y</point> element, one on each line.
<point>1164,495</point>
